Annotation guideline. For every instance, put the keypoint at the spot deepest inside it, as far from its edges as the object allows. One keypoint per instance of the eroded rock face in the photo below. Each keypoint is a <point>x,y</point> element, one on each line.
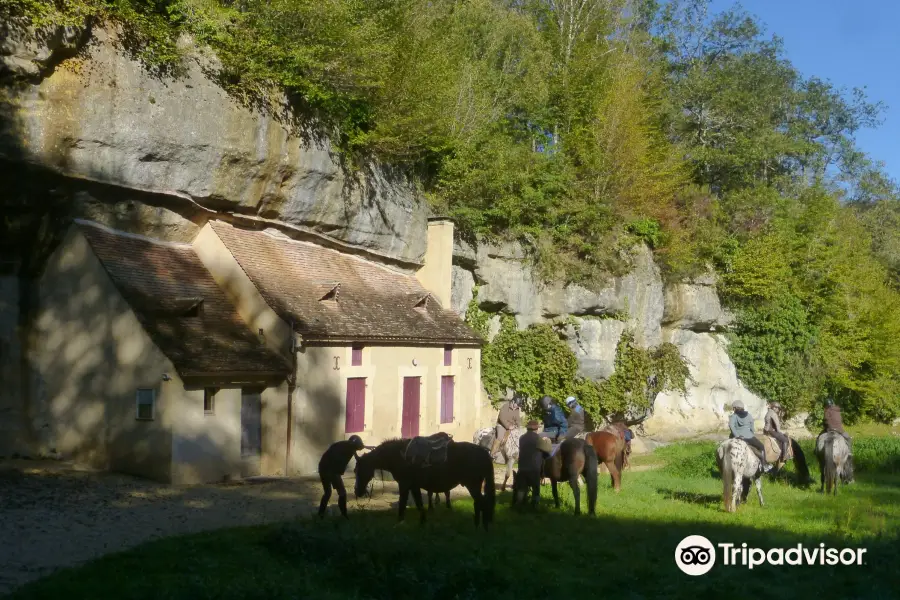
<point>461,290</point>
<point>694,307</point>
<point>707,404</point>
<point>102,117</point>
<point>594,343</point>
<point>686,314</point>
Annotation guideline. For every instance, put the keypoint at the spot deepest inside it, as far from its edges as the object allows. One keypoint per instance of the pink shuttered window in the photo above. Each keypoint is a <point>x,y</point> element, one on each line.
<point>356,405</point>
<point>409,424</point>
<point>356,356</point>
<point>448,356</point>
<point>447,389</point>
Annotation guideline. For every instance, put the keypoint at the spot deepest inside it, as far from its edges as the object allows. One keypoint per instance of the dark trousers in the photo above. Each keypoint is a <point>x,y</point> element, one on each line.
<point>757,445</point>
<point>336,482</point>
<point>783,440</point>
<point>525,481</point>
<point>553,433</point>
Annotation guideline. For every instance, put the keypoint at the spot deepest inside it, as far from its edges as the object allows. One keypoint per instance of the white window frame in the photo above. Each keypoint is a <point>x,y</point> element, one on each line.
<point>137,404</point>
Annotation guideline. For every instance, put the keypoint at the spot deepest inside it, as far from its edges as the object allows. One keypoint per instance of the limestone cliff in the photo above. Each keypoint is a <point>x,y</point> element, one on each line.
<point>87,131</point>
<point>79,107</point>
<point>686,314</point>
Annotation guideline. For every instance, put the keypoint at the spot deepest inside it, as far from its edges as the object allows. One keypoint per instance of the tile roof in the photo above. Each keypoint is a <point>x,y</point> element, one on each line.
<point>166,284</point>
<point>330,295</point>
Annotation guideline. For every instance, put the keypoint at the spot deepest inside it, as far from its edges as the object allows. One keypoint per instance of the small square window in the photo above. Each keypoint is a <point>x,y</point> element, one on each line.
<point>145,404</point>
<point>356,356</point>
<point>209,400</point>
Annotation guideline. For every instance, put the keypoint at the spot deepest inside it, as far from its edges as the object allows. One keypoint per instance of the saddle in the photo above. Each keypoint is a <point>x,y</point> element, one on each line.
<point>773,448</point>
<point>428,451</point>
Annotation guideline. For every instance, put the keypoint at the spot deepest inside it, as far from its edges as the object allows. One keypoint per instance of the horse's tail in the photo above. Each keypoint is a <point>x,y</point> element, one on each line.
<point>489,498</point>
<point>620,456</point>
<point>591,466</point>
<point>829,469</point>
<point>727,477</point>
<point>800,461</point>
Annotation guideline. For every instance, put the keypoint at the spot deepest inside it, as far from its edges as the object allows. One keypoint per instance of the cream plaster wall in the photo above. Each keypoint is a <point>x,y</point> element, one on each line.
<point>91,355</point>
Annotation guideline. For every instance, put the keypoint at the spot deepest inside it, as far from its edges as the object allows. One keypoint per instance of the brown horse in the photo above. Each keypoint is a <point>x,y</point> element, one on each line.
<point>574,457</point>
<point>610,450</point>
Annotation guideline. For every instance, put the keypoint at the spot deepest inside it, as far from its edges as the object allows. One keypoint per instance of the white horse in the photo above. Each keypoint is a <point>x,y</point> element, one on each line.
<point>738,462</point>
<point>833,453</point>
<point>509,450</point>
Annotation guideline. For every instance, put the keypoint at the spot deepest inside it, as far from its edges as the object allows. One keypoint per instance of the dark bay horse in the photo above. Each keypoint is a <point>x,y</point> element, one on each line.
<point>574,457</point>
<point>466,464</point>
<point>610,450</point>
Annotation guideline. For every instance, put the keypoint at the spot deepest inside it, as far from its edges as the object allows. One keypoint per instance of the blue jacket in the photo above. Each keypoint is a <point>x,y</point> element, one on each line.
<point>555,417</point>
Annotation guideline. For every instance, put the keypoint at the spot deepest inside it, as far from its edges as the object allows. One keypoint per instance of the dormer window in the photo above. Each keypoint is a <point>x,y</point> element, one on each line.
<point>330,292</point>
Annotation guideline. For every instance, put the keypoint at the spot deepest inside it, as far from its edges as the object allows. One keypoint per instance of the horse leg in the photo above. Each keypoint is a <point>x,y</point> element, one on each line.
<point>573,483</point>
<point>417,497</point>
<point>475,492</point>
<point>447,499</point>
<point>509,468</point>
<point>614,476</point>
<point>430,507</point>
<point>759,490</point>
<point>404,498</point>
<point>555,492</point>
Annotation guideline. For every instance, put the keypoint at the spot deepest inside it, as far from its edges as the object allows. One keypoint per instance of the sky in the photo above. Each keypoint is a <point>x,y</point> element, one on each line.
<point>852,43</point>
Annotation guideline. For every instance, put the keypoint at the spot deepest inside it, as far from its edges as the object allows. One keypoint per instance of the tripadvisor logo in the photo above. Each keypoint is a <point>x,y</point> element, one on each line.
<point>696,555</point>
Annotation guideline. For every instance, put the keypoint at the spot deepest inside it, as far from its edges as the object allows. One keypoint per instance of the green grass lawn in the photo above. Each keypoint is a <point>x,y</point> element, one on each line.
<point>626,551</point>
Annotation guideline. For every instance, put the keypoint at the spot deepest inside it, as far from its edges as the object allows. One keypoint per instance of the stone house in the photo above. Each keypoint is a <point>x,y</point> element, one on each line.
<point>379,353</point>
<point>241,353</point>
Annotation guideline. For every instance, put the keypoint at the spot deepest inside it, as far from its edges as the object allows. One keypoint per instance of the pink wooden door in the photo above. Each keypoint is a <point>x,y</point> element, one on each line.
<point>356,405</point>
<point>447,389</point>
<point>409,426</point>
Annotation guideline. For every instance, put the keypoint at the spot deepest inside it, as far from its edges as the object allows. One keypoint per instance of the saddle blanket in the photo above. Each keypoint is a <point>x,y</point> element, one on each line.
<point>554,448</point>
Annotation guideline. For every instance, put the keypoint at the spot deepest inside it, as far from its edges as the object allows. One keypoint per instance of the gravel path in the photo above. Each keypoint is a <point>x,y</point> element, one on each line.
<point>55,514</point>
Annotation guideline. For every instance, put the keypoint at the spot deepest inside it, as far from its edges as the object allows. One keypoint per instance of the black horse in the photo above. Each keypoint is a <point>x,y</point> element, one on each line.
<point>466,464</point>
<point>573,458</point>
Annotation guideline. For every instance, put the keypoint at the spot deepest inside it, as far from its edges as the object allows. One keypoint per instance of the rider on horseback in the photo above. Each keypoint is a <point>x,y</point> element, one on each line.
<point>555,424</point>
<point>832,422</point>
<point>575,421</point>
<point>772,428</point>
<point>510,418</point>
<point>741,424</point>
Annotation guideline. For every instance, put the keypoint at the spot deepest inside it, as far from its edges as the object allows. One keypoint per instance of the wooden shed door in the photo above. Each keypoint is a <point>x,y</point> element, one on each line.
<point>410,419</point>
<point>251,432</point>
<point>356,405</point>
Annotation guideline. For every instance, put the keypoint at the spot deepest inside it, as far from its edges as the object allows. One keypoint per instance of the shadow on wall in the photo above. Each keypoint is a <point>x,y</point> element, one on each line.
<point>320,418</point>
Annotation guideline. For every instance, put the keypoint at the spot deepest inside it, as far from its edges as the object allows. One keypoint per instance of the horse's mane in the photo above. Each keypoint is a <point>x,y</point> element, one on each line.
<point>386,446</point>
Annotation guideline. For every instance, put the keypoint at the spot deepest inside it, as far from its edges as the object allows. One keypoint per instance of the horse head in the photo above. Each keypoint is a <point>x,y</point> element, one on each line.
<point>364,471</point>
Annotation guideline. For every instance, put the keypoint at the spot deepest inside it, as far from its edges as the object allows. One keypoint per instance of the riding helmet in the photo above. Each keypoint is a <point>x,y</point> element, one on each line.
<point>356,441</point>
<point>545,402</point>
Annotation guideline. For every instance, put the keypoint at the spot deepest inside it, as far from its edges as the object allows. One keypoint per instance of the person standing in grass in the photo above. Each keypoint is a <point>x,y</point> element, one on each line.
<point>331,471</point>
<point>741,425</point>
<point>533,449</point>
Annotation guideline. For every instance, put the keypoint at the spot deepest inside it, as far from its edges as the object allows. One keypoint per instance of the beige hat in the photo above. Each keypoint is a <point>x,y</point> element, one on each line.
<point>737,405</point>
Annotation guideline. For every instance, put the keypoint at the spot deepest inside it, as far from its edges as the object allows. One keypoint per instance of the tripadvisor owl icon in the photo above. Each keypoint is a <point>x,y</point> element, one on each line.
<point>695,555</point>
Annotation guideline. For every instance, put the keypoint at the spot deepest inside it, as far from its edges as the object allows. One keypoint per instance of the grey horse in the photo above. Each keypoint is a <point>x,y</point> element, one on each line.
<point>833,453</point>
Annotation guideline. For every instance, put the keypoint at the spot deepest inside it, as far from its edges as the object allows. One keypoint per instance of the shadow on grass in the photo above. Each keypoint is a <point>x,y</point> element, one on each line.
<point>691,497</point>
<point>524,555</point>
